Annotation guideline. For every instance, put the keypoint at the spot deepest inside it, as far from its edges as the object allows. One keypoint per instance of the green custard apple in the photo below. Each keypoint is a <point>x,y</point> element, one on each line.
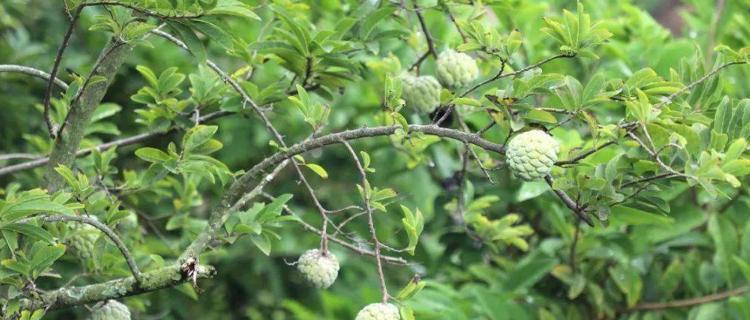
<point>82,241</point>
<point>456,69</point>
<point>378,311</point>
<point>421,93</point>
<point>111,310</point>
<point>532,154</point>
<point>318,268</point>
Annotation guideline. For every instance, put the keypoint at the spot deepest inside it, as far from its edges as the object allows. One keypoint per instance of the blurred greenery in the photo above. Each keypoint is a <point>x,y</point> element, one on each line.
<point>497,248</point>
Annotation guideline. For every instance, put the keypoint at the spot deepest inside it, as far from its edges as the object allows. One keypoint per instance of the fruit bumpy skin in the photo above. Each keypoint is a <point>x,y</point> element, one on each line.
<point>421,93</point>
<point>456,69</point>
<point>532,154</point>
<point>320,270</point>
<point>111,310</point>
<point>378,311</point>
<point>83,240</point>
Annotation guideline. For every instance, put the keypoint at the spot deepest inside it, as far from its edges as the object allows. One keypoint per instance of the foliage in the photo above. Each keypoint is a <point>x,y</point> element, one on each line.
<point>192,150</point>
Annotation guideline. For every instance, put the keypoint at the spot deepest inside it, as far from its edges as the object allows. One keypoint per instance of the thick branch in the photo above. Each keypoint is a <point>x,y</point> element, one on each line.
<point>232,201</point>
<point>354,134</point>
<point>34,73</point>
<point>66,144</point>
<point>114,289</point>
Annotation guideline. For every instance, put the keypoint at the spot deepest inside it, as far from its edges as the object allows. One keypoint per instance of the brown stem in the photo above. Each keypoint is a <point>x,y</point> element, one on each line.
<point>370,222</point>
<point>55,67</point>
<point>689,302</point>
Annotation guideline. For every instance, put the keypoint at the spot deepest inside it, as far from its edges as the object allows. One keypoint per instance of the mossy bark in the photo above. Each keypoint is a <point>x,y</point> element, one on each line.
<point>115,289</point>
<point>66,145</point>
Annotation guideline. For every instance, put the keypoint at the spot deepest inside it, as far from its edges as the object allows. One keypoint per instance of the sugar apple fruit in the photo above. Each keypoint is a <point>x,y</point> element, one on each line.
<point>111,310</point>
<point>456,69</point>
<point>532,154</point>
<point>82,241</point>
<point>318,268</point>
<point>378,311</point>
<point>421,93</point>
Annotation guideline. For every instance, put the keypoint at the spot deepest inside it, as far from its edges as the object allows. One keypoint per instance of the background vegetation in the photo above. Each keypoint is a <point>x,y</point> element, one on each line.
<point>650,115</point>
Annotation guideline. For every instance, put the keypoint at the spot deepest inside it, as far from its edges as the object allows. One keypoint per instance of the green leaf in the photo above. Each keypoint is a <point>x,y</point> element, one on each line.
<point>44,256</point>
<point>622,215</point>
<point>29,230</point>
<point>233,8</point>
<point>629,282</point>
<point>413,224</point>
<point>529,271</point>
<point>194,44</point>
<point>263,243</point>
<point>744,267</point>
<point>152,155</point>
<point>197,136</point>
<point>536,115</point>
<point>725,240</point>
<point>317,169</point>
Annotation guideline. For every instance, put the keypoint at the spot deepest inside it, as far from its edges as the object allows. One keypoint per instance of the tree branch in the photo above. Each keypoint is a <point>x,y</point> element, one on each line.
<point>114,289</point>
<point>66,144</point>
<point>689,302</point>
<point>569,202</point>
<point>584,154</point>
<point>106,146</point>
<point>365,188</point>
<point>232,201</point>
<point>354,134</point>
<point>500,74</point>
<point>34,73</point>
<point>104,229</point>
<point>360,251</point>
<point>55,67</point>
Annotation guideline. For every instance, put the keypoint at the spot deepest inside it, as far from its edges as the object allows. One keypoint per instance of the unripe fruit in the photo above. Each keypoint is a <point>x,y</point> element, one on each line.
<point>378,311</point>
<point>318,268</point>
<point>129,222</point>
<point>421,93</point>
<point>456,69</point>
<point>111,310</point>
<point>532,154</point>
<point>82,241</point>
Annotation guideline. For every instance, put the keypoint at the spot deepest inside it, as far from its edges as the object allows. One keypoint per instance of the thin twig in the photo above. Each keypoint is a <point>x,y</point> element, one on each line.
<point>104,229</point>
<point>34,73</point>
<point>333,238</point>
<point>690,86</point>
<point>105,146</point>
<point>148,12</point>
<point>430,42</point>
<point>13,156</point>
<point>500,74</point>
<point>690,302</point>
<point>370,222</point>
<point>455,23</point>
<point>55,67</point>
<point>569,202</point>
<point>585,154</point>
